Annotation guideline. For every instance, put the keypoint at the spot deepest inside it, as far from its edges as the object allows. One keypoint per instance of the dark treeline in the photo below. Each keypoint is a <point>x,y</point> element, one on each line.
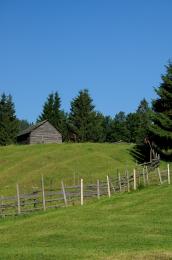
<point>82,124</point>
<point>85,124</point>
<point>148,127</point>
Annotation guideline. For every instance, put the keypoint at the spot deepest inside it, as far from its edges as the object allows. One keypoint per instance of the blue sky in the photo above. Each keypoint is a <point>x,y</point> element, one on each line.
<point>115,48</point>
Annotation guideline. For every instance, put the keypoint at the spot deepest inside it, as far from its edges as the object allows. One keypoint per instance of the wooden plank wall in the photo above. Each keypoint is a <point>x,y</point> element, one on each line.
<point>45,133</point>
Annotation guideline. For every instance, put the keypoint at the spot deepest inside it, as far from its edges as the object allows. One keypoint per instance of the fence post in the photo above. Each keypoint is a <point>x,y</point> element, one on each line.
<point>43,193</point>
<point>98,189</point>
<point>119,181</point>
<point>144,180</point>
<point>74,177</point>
<point>139,178</point>
<point>82,193</point>
<point>64,193</point>
<point>128,181</point>
<point>2,206</point>
<point>168,171</point>
<point>135,184</point>
<point>147,176</point>
<point>18,199</point>
<point>108,186</point>
<point>159,173</point>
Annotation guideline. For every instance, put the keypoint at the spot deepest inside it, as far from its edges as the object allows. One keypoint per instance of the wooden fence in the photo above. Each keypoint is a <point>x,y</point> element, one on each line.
<point>64,196</point>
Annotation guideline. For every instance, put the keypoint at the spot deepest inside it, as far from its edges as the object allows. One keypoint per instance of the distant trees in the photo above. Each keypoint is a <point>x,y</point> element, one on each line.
<point>132,126</point>
<point>8,120</point>
<point>107,129</point>
<point>96,131</point>
<point>82,116</point>
<point>120,130</point>
<point>161,127</point>
<point>143,122</point>
<point>138,125</point>
<point>52,111</point>
<point>23,124</point>
<point>147,125</point>
<point>82,124</point>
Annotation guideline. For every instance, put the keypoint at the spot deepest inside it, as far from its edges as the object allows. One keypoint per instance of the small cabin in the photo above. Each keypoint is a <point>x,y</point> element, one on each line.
<point>42,133</point>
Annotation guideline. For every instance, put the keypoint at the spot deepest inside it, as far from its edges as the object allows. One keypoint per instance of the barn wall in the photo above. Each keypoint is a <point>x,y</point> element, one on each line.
<point>45,133</point>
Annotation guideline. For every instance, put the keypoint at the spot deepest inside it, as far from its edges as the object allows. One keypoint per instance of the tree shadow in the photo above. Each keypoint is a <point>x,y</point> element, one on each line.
<point>141,153</point>
<point>166,156</point>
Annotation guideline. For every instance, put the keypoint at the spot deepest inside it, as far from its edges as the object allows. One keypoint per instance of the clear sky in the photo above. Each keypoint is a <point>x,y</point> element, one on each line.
<point>115,48</point>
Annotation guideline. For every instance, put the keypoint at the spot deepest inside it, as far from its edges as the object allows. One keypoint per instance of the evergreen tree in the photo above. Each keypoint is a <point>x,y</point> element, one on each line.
<point>23,124</point>
<point>138,125</point>
<point>108,129</point>
<point>47,112</point>
<point>161,128</point>
<point>52,112</point>
<point>81,116</point>
<point>96,130</point>
<point>57,114</point>
<point>8,121</point>
<point>119,128</point>
<point>64,126</point>
<point>132,126</point>
<point>143,117</point>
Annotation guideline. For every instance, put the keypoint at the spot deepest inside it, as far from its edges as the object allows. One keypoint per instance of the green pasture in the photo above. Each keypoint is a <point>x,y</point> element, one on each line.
<point>136,225</point>
<point>24,164</point>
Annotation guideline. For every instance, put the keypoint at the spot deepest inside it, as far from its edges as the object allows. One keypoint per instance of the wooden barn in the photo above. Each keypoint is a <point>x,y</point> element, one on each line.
<point>41,133</point>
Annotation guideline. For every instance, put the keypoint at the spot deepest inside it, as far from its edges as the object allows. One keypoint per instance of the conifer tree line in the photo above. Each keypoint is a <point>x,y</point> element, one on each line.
<point>83,123</point>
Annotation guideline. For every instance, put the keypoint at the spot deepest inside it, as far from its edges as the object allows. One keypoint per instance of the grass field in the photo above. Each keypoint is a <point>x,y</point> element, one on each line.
<point>68,162</point>
<point>25,164</point>
<point>136,225</point>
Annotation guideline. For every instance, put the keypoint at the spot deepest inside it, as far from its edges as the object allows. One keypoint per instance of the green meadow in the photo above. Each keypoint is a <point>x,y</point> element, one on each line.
<point>68,162</point>
<point>136,225</point>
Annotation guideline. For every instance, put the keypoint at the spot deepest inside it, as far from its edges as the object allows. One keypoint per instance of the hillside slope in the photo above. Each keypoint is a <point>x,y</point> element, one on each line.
<point>137,225</point>
<point>26,164</point>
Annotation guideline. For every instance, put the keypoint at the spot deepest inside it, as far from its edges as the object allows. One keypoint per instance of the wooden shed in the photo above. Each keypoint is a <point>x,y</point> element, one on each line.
<point>41,133</point>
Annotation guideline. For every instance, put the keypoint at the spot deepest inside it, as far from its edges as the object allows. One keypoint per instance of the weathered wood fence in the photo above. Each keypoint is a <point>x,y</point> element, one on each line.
<point>64,196</point>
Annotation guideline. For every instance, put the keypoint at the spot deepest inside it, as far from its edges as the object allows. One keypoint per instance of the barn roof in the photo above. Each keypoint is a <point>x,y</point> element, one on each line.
<point>31,128</point>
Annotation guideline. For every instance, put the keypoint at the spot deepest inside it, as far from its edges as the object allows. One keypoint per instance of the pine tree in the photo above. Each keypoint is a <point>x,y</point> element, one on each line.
<point>51,111</point>
<point>143,115</point>
<point>23,124</point>
<point>8,121</point>
<point>96,131</point>
<point>56,118</point>
<point>119,127</point>
<point>138,125</point>
<point>64,126</point>
<point>81,116</point>
<point>47,112</point>
<point>161,128</point>
<point>132,122</point>
<point>108,129</point>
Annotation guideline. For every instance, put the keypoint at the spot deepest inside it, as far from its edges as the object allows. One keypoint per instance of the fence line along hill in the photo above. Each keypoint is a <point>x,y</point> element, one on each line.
<point>44,197</point>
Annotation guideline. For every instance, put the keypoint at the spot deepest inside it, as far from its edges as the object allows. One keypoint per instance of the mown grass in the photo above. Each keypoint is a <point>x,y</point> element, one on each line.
<point>70,162</point>
<point>136,225</point>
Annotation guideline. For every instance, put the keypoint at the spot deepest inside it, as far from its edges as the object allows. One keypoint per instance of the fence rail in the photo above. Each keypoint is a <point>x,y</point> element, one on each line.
<point>44,198</point>
<point>152,165</point>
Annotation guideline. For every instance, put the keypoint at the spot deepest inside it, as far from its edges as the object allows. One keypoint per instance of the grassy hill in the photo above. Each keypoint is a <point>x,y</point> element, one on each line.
<point>137,225</point>
<point>25,164</point>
